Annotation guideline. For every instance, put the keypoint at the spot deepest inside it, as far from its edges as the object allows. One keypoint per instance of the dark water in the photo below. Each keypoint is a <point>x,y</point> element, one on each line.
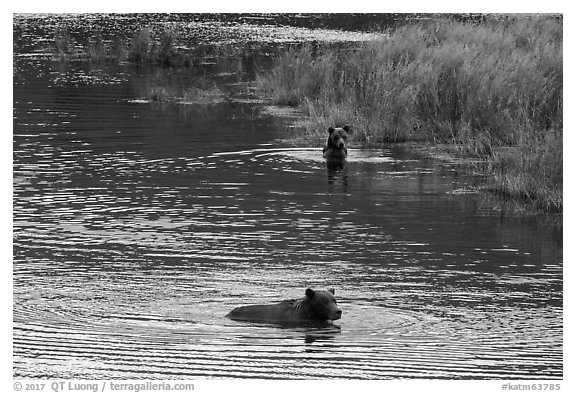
<point>138,226</point>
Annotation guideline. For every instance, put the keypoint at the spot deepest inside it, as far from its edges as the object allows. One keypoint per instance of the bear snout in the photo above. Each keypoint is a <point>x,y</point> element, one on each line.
<point>337,314</point>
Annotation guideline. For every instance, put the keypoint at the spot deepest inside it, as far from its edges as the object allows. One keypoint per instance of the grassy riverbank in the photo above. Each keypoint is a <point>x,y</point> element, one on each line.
<point>492,89</point>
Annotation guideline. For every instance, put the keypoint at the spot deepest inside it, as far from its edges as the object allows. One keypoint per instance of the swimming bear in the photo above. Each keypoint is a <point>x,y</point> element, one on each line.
<point>315,306</point>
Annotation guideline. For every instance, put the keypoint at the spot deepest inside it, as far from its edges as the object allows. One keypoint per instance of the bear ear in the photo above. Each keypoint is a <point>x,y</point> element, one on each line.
<point>346,128</point>
<point>331,290</point>
<point>330,130</point>
<point>310,293</point>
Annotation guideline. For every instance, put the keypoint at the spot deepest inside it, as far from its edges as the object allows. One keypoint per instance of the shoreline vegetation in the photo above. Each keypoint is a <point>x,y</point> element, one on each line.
<point>487,89</point>
<point>158,49</point>
<point>142,48</point>
<point>491,90</point>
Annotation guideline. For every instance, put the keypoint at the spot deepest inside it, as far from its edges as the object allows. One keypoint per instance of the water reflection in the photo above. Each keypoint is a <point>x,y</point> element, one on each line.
<point>337,175</point>
<point>322,335</point>
<point>310,332</point>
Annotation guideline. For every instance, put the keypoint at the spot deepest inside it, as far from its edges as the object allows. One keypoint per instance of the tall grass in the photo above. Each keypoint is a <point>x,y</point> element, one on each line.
<point>480,86</point>
<point>144,49</point>
<point>531,172</point>
<point>140,45</point>
<point>64,46</point>
<point>165,53</point>
<point>97,48</point>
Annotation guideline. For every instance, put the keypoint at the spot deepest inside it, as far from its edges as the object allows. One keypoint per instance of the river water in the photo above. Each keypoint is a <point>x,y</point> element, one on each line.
<point>138,226</point>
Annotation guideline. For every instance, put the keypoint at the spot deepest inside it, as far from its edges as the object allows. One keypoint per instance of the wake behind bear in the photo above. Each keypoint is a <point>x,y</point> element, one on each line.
<point>315,306</point>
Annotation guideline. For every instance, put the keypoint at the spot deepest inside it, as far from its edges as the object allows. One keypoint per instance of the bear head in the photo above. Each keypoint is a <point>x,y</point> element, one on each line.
<point>323,304</point>
<point>337,138</point>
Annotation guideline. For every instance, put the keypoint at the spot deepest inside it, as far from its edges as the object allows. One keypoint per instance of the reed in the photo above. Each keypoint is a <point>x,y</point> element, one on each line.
<point>64,46</point>
<point>161,94</point>
<point>162,50</point>
<point>97,48</point>
<point>140,45</point>
<point>117,53</point>
<point>531,172</point>
<point>166,51</point>
<point>480,86</point>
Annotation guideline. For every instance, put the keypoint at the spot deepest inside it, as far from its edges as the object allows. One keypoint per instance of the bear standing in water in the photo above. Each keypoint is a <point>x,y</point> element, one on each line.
<point>316,306</point>
<point>335,147</point>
